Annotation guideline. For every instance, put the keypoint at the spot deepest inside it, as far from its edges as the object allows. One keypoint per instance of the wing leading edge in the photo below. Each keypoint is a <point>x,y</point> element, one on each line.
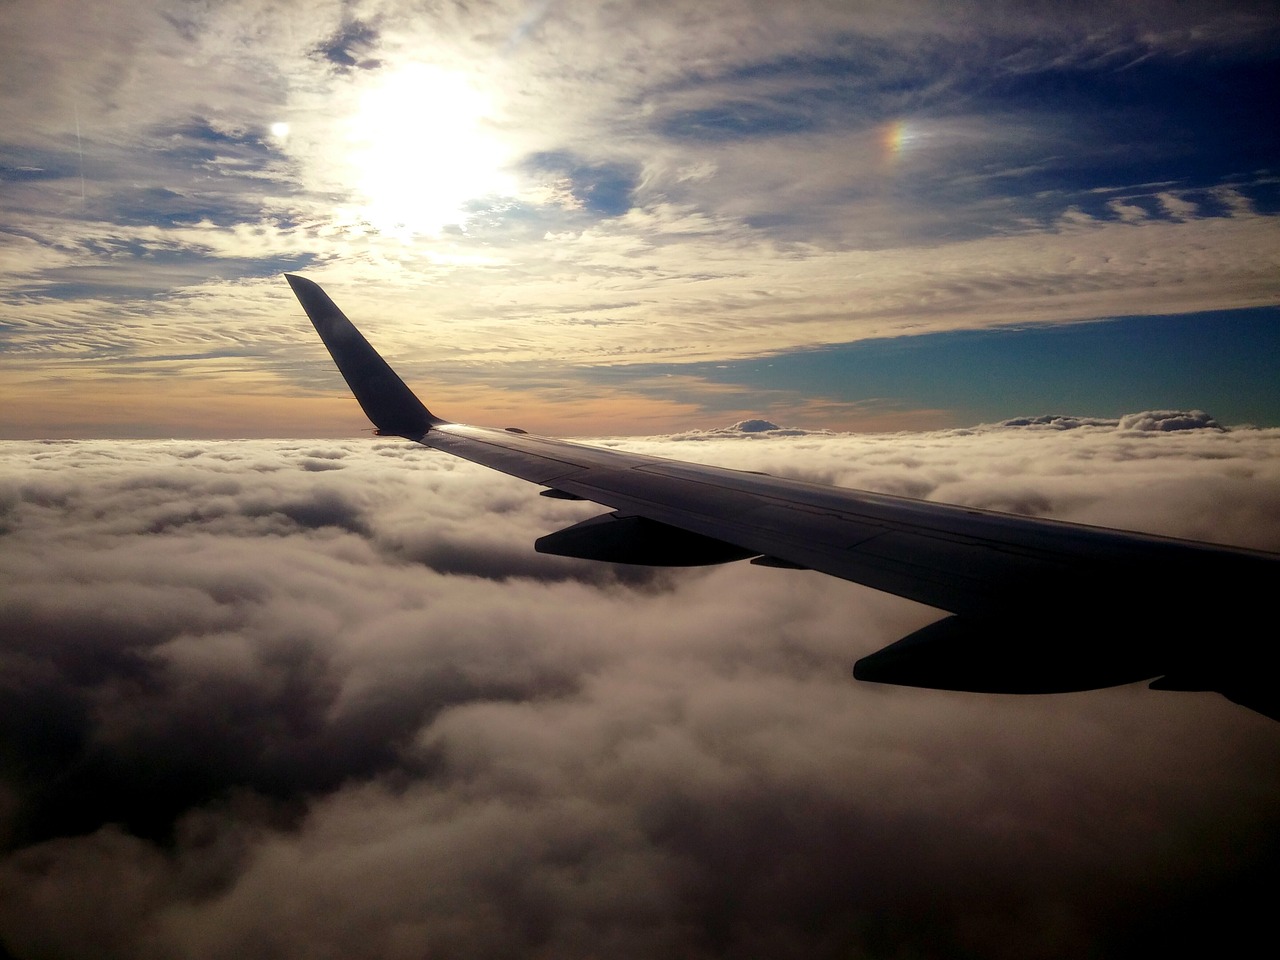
<point>1036,606</point>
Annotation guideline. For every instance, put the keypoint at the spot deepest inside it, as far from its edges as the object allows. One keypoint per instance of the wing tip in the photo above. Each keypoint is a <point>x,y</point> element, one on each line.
<point>393,408</point>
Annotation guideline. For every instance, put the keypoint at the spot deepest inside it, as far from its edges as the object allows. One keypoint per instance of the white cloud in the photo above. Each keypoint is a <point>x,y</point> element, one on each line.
<point>256,706</point>
<point>1169,420</point>
<point>1175,206</point>
<point>741,245</point>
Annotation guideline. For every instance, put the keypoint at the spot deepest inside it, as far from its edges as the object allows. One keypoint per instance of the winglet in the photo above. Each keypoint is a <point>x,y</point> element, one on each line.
<point>383,396</point>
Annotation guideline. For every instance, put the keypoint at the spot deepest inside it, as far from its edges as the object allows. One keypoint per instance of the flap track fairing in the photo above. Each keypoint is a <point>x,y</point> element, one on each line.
<point>630,539</point>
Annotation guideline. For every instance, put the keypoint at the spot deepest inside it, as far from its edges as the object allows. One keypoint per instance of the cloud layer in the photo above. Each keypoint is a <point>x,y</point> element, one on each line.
<point>309,698</point>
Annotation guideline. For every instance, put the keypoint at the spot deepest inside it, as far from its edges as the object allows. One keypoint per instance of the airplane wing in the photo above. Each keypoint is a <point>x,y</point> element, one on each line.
<point>1035,606</point>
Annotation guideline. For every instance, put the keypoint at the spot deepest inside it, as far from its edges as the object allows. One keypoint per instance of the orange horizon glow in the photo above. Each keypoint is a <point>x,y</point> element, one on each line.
<point>134,408</point>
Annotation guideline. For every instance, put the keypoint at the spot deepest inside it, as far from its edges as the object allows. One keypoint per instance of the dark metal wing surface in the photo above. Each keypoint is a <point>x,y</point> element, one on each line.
<point>1036,605</point>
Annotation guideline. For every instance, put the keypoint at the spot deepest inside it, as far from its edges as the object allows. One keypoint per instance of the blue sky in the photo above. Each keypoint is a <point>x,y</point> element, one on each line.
<point>557,187</point>
<point>1223,362</point>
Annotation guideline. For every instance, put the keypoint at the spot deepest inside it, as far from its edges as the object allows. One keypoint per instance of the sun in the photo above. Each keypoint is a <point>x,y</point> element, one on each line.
<point>422,146</point>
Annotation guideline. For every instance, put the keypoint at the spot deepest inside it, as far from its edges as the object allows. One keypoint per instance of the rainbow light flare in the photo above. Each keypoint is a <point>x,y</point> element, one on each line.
<point>896,138</point>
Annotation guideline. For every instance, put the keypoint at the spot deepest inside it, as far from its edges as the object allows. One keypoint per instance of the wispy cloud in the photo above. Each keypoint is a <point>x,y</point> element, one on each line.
<point>688,179</point>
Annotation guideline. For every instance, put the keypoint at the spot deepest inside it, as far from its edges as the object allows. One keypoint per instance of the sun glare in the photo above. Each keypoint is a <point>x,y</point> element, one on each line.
<point>421,149</point>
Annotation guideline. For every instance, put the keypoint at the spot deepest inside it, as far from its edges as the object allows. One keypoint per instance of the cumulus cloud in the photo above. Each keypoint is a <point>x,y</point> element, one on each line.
<point>754,428</point>
<point>253,706</point>
<point>1058,422</point>
<point>1166,420</point>
<point>1161,420</point>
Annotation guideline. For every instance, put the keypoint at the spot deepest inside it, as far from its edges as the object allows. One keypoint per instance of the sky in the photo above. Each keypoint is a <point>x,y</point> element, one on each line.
<point>315,698</point>
<point>319,697</point>
<point>546,212</point>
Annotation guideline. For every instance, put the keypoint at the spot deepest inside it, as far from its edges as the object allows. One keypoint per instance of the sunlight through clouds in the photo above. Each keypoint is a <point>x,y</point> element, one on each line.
<point>610,184</point>
<point>420,150</point>
<point>899,136</point>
